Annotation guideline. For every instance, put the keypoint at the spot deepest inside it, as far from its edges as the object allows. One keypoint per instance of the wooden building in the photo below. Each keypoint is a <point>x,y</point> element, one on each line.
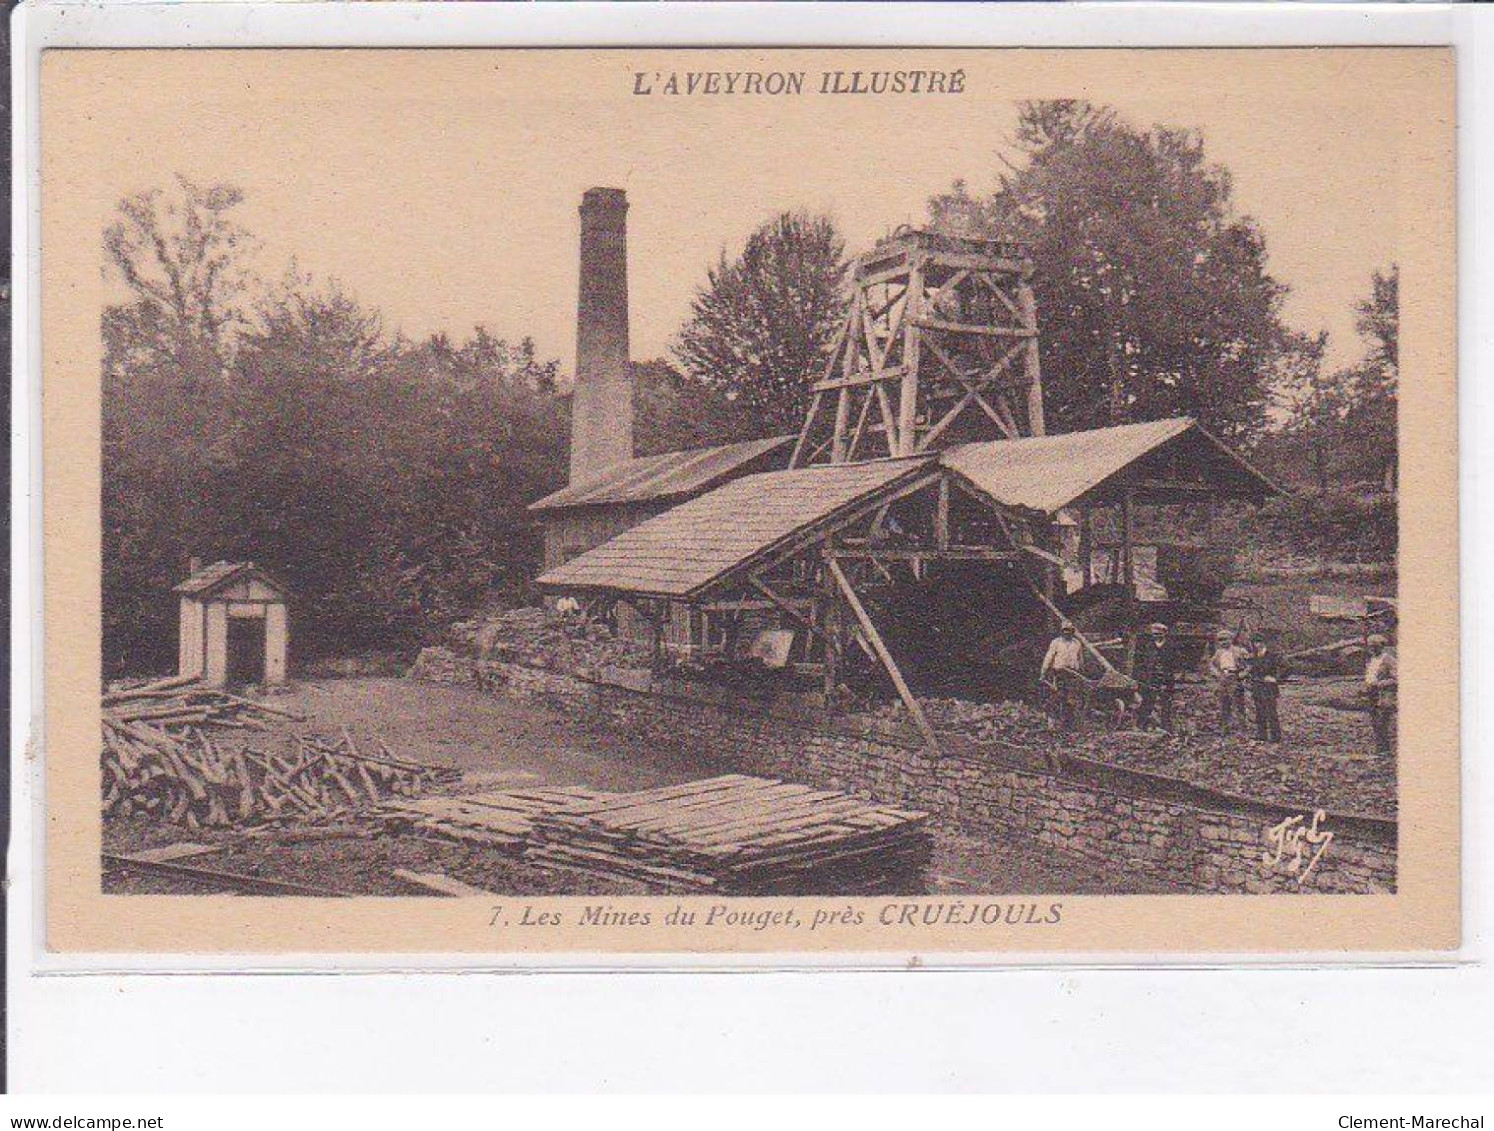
<point>923,566</point>
<point>235,627</point>
<point>925,526</point>
<point>589,512</point>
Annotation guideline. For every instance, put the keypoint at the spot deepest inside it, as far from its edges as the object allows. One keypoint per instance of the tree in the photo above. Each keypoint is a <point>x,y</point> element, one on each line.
<point>165,404</point>
<point>1339,427</point>
<point>762,325</point>
<point>385,480</point>
<point>1153,294</point>
<point>1316,407</point>
<point>183,256</point>
<point>1371,387</point>
<point>673,411</point>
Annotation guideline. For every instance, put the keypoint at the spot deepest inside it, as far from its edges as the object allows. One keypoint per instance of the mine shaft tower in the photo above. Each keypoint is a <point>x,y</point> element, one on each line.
<point>941,340</point>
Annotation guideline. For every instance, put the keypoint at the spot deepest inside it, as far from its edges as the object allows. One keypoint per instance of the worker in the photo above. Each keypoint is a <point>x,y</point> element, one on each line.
<point>1157,674</point>
<point>1264,672</point>
<point>1063,673</point>
<point>1380,673</point>
<point>1227,670</point>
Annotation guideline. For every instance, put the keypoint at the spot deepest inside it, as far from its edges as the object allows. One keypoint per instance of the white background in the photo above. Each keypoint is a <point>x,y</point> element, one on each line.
<point>1317,1029</point>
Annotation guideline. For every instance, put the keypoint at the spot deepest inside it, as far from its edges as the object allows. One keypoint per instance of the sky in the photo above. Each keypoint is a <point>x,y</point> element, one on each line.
<point>441,188</point>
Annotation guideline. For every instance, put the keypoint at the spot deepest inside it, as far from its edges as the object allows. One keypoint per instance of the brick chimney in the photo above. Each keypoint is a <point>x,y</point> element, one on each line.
<point>602,407</point>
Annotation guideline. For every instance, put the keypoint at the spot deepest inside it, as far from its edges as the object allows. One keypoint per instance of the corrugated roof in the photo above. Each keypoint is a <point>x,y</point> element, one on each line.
<point>673,475</point>
<point>211,577</point>
<point>1045,473</point>
<point>694,544</point>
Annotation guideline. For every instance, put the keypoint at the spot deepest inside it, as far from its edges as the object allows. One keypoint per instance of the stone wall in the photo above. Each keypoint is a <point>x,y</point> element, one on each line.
<point>1146,825</point>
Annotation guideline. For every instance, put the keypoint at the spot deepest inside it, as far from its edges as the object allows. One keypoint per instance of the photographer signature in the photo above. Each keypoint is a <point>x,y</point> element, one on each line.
<point>1292,839</point>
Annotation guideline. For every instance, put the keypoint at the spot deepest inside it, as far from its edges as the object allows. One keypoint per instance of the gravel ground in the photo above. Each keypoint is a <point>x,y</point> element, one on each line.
<point>1326,757</point>
<point>501,742</point>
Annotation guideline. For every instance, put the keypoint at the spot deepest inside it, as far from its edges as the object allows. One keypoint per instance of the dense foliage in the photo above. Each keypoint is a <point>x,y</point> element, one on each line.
<point>1153,292</point>
<point>1340,428</point>
<point>761,327</point>
<point>383,480</point>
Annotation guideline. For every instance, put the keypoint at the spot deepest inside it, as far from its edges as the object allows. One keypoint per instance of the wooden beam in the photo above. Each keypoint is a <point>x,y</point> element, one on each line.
<point>842,418</point>
<point>1086,545</point>
<point>787,607</point>
<point>809,419</point>
<point>907,424</point>
<point>1036,424</point>
<point>941,516</point>
<point>857,380</point>
<point>874,638</point>
<point>975,328</point>
<point>859,429</point>
<point>911,553</point>
<point>1000,292</point>
<point>893,428</point>
<point>983,263</point>
<point>1045,555</point>
<point>1084,640</point>
<point>831,637</point>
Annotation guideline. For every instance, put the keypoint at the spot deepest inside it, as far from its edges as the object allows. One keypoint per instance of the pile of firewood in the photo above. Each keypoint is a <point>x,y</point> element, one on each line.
<point>160,759</point>
<point>181,702</point>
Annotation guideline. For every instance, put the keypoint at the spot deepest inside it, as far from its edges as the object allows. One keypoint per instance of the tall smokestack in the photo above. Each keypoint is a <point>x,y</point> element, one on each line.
<point>602,407</point>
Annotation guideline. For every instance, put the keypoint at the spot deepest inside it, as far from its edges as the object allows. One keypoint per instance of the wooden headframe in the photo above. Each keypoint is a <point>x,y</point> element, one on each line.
<point>938,327</point>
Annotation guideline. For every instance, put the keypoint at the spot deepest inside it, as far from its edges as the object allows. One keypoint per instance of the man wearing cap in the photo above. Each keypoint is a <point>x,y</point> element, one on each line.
<point>1266,670</point>
<point>1063,671</point>
<point>1380,691</point>
<point>1226,666</point>
<point>1156,673</point>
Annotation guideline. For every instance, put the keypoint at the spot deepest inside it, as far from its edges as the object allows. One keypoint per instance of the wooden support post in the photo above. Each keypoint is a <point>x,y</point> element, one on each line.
<point>832,639</point>
<point>842,419</point>
<point>804,432</point>
<point>777,601</point>
<point>1086,547</point>
<point>1084,640</point>
<point>1030,368</point>
<point>941,517</point>
<point>1128,576</point>
<point>907,429</point>
<point>874,638</point>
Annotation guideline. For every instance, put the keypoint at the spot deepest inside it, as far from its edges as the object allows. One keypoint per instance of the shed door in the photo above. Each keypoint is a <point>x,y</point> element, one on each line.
<point>246,650</point>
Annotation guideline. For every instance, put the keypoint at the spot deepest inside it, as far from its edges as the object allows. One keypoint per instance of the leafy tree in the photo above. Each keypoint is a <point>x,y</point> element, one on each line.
<point>1153,294</point>
<point>672,412</point>
<point>183,256</point>
<point>182,260</point>
<point>762,325</point>
<point>385,480</point>
<point>1339,431</point>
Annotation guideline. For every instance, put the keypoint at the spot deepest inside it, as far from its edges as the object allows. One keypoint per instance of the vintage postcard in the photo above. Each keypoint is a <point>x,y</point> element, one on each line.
<point>938,503</point>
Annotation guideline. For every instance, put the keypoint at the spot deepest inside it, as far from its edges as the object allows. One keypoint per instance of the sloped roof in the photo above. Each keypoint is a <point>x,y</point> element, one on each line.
<point>1046,473</point>
<point>685,549</point>
<point>215,576</point>
<point>673,475</point>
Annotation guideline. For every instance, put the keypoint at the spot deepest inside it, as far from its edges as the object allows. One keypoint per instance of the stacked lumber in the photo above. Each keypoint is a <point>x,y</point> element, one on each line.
<point>502,820</point>
<point>162,761</point>
<point>739,835</point>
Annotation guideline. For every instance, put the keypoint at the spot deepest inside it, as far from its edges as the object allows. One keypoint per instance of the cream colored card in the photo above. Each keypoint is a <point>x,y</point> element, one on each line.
<point>768,670</point>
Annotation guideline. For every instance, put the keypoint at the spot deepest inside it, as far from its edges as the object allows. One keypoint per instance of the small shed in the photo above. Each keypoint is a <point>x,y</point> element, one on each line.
<point>234,625</point>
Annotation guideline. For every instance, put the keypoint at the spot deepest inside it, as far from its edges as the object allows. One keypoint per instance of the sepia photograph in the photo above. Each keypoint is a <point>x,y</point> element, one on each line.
<point>915,489</point>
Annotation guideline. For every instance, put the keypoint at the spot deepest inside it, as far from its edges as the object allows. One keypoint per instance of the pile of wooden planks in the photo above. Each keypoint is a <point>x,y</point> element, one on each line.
<point>161,758</point>
<point>502,820</point>
<point>739,835</point>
